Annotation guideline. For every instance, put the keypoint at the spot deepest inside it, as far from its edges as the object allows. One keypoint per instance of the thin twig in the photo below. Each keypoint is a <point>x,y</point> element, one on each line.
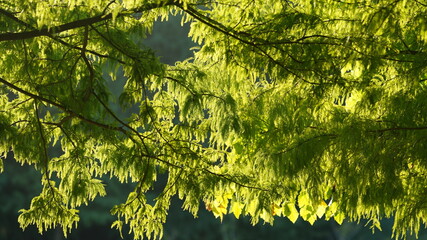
<point>63,108</point>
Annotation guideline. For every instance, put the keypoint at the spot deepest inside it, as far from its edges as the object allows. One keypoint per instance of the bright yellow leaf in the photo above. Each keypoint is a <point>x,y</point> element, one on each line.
<point>252,207</point>
<point>276,210</point>
<point>236,209</point>
<point>331,210</point>
<point>303,199</point>
<point>339,218</point>
<point>308,214</point>
<point>290,211</point>
<point>321,209</point>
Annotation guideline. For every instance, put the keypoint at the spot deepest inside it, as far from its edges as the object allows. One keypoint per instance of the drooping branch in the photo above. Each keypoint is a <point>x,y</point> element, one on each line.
<point>53,30</point>
<point>45,31</point>
<point>60,106</point>
<point>249,39</point>
<point>14,18</point>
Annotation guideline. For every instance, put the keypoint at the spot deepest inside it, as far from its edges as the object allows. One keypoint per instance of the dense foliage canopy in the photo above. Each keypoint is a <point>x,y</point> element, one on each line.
<point>302,108</point>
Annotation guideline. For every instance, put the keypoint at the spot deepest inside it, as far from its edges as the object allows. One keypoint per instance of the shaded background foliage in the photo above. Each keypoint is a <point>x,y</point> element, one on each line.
<point>18,184</point>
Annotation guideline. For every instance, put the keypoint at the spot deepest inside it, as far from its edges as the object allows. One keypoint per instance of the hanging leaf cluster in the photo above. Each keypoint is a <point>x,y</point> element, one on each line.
<point>303,108</point>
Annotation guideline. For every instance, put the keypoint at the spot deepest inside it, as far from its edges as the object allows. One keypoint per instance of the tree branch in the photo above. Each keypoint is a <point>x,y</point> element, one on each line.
<point>398,129</point>
<point>254,42</point>
<point>45,31</point>
<point>62,107</point>
<point>14,18</point>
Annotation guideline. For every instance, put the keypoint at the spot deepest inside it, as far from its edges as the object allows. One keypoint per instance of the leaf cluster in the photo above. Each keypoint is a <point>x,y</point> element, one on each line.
<point>289,108</point>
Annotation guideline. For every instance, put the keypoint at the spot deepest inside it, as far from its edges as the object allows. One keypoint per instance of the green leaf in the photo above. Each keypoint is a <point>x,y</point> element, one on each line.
<point>119,226</point>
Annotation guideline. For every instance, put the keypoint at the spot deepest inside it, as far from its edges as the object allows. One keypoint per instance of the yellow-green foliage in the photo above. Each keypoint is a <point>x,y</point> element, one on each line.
<point>302,108</point>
